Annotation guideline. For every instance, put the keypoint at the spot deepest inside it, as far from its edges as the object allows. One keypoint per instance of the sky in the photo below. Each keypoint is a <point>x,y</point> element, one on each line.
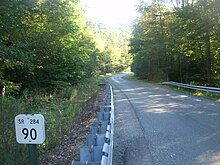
<point>111,12</point>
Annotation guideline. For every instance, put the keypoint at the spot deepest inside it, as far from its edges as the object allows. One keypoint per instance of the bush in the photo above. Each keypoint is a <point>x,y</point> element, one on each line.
<point>9,149</point>
<point>58,110</point>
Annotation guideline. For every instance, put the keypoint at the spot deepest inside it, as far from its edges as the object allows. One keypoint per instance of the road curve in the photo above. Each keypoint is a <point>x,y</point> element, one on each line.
<point>156,126</point>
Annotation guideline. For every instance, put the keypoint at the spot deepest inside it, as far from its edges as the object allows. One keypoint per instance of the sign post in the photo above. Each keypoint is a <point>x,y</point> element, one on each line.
<point>33,155</point>
<point>30,129</point>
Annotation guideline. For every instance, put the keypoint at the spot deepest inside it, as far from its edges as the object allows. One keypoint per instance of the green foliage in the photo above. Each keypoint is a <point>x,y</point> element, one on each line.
<point>112,48</point>
<point>47,59</point>
<point>59,109</point>
<point>9,108</point>
<point>49,45</point>
<point>43,45</point>
<point>173,44</point>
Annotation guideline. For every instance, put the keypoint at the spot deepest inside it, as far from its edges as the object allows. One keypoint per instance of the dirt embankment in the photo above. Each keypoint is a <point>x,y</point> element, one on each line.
<point>70,143</point>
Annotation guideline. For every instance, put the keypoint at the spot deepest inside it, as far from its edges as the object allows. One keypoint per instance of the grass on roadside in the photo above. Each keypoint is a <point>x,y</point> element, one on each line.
<point>132,77</point>
<point>208,95</point>
<point>203,94</point>
<point>58,109</point>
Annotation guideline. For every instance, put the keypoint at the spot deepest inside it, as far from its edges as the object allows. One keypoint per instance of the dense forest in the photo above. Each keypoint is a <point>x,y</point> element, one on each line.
<point>112,44</point>
<point>49,45</point>
<point>50,58</point>
<point>43,45</point>
<point>179,43</point>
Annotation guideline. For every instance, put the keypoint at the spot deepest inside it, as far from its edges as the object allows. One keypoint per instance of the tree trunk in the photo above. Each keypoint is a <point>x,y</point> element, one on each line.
<point>3,89</point>
<point>180,67</point>
<point>208,57</point>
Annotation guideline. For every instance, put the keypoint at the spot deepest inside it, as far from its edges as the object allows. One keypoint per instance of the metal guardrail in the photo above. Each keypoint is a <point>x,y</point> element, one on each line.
<point>99,145</point>
<point>194,87</point>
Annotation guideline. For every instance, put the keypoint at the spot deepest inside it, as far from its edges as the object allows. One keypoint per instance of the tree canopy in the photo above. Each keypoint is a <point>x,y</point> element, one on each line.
<point>49,45</point>
<point>112,44</point>
<point>43,44</point>
<point>178,44</point>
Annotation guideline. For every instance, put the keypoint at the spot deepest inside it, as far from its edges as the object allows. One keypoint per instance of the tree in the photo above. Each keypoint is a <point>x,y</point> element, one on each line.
<point>44,45</point>
<point>112,45</point>
<point>177,42</point>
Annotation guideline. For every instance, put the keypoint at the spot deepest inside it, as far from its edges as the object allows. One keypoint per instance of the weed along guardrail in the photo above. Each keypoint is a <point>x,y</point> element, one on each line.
<point>194,87</point>
<point>99,145</point>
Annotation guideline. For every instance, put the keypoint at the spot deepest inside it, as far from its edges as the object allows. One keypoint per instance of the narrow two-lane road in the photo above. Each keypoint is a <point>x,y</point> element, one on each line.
<point>156,126</point>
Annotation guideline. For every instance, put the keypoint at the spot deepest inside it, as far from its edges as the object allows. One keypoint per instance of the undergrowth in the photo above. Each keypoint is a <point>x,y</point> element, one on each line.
<point>207,95</point>
<point>58,110</point>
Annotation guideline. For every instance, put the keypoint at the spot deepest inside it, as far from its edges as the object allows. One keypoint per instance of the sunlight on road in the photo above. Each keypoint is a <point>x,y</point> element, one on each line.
<point>212,158</point>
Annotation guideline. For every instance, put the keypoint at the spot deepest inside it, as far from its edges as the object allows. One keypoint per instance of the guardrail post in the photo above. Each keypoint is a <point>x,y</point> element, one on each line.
<point>99,145</point>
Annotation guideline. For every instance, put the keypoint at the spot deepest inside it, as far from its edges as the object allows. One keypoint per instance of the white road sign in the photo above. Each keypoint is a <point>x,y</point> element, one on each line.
<point>30,129</point>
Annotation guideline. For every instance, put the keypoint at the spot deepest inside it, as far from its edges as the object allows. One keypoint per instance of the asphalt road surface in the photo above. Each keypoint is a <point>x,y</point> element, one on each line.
<point>158,126</point>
